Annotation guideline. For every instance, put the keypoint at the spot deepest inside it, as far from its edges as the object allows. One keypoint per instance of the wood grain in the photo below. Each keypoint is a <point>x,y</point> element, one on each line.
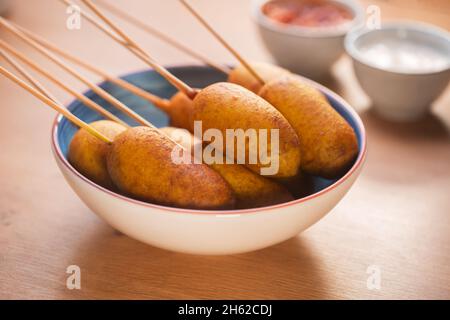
<point>397,215</point>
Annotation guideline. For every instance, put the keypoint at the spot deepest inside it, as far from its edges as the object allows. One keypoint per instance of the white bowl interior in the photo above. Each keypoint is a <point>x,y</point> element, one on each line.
<point>402,33</point>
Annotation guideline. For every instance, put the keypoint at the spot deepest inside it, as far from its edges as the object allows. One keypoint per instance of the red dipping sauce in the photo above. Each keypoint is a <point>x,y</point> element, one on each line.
<point>308,13</point>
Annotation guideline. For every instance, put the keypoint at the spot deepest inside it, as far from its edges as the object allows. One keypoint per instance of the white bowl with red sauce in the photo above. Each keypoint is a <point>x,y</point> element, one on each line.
<point>306,36</point>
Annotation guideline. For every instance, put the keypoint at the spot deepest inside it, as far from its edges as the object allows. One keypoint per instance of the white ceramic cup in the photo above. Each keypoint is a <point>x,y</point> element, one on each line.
<point>400,96</point>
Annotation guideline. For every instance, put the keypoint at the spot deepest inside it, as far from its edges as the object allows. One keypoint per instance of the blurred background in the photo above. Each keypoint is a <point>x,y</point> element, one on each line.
<point>396,216</point>
<point>231,18</point>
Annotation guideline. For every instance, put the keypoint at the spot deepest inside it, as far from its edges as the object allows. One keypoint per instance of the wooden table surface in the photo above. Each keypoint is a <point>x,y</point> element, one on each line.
<point>396,217</point>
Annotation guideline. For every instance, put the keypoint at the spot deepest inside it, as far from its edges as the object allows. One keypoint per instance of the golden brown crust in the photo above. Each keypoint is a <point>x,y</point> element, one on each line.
<point>251,189</point>
<point>140,164</point>
<point>328,143</point>
<point>225,106</point>
<point>180,111</point>
<point>87,154</point>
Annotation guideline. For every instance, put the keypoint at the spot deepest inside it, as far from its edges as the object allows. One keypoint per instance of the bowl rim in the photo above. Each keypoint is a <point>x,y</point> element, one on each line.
<point>358,162</point>
<point>410,25</point>
<point>309,32</point>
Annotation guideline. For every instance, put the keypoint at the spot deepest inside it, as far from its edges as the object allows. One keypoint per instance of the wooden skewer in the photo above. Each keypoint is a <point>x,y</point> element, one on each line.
<point>113,26</point>
<point>222,41</point>
<point>140,53</point>
<point>85,100</point>
<point>133,46</point>
<point>92,20</point>
<point>36,84</point>
<point>161,36</point>
<point>54,105</point>
<point>94,87</point>
<point>102,93</point>
<point>157,101</point>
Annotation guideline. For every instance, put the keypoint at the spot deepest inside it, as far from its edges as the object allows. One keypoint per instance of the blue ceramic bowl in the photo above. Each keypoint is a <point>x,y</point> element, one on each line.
<point>203,232</point>
<point>197,77</point>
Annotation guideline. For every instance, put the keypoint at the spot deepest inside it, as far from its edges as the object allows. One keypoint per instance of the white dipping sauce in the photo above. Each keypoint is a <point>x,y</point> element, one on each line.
<point>404,56</point>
